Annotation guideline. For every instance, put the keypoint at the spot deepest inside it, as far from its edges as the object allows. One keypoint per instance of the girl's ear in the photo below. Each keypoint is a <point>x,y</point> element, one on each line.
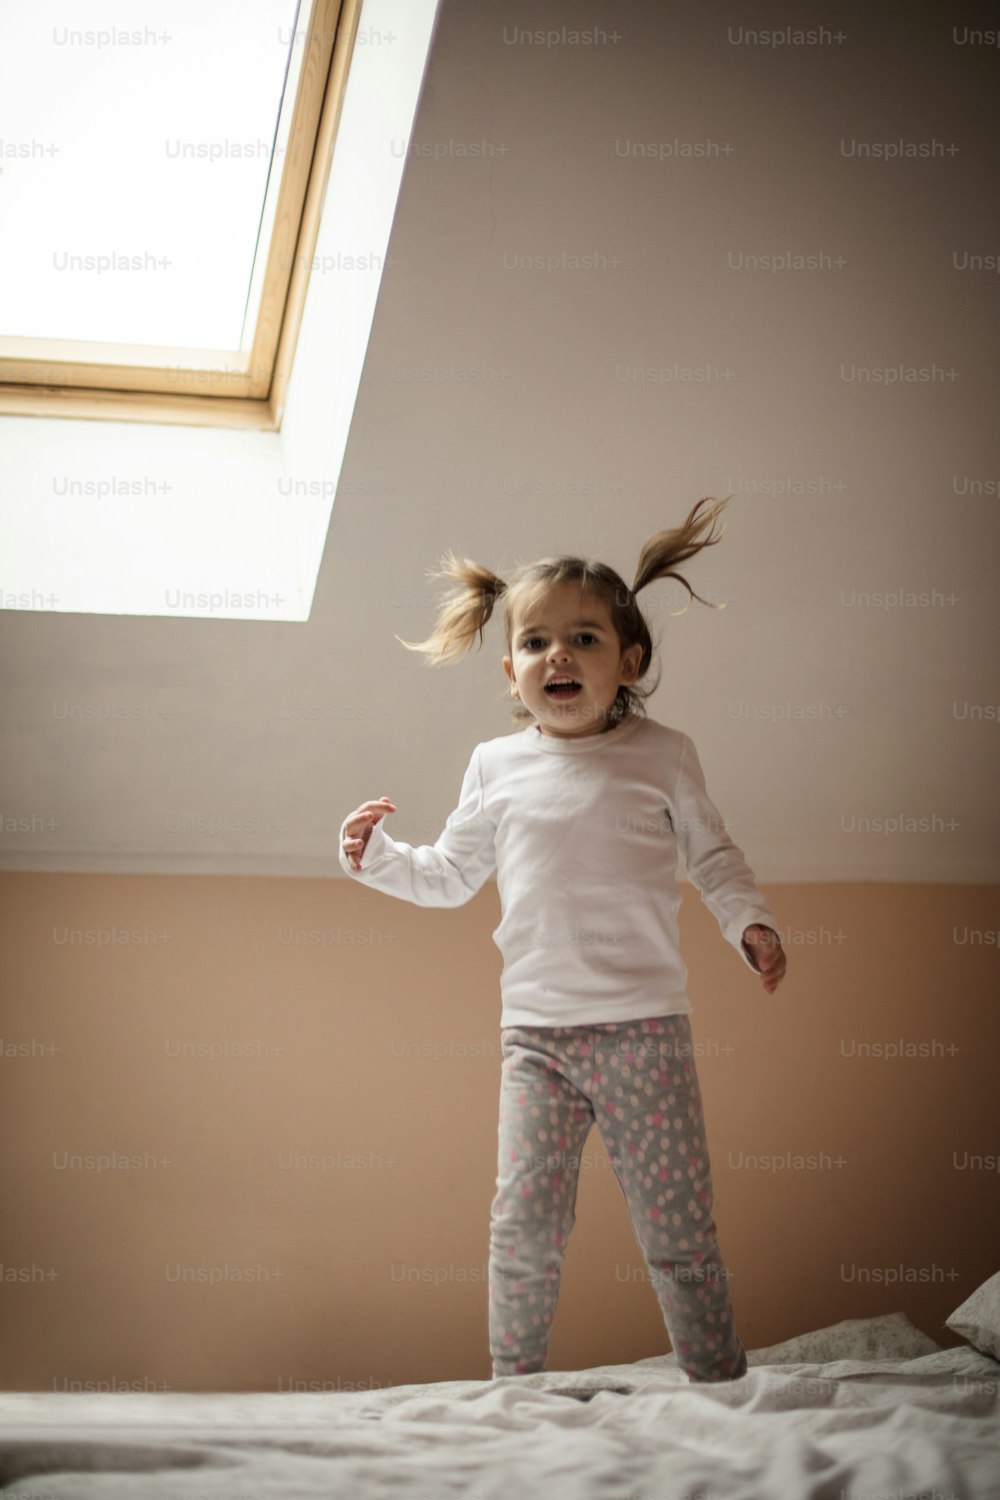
<point>632,660</point>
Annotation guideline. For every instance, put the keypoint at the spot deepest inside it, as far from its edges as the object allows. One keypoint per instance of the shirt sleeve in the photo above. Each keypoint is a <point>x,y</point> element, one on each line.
<point>715,866</point>
<point>447,873</point>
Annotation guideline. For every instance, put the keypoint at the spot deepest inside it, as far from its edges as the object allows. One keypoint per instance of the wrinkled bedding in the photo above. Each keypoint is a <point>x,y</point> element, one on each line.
<point>868,1409</point>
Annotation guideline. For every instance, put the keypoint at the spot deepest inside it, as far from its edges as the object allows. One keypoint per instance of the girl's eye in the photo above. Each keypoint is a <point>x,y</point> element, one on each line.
<point>584,635</point>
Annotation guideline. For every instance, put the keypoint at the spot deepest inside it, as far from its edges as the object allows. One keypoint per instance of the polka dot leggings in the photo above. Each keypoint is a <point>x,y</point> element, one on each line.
<point>638,1080</point>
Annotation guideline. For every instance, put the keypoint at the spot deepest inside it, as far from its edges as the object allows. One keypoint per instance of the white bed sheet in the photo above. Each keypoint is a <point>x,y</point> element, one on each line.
<point>868,1409</point>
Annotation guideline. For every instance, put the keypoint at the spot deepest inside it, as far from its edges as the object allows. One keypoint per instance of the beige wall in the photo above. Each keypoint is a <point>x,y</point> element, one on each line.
<point>380,1043</point>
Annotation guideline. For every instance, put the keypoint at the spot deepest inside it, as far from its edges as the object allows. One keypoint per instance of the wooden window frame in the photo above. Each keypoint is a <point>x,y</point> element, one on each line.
<point>249,389</point>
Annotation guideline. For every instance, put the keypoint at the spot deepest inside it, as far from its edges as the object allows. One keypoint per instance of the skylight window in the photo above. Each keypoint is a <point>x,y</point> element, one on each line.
<point>154,233</point>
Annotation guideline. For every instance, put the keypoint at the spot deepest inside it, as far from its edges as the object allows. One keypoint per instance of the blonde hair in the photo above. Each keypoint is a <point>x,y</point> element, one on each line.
<point>465,612</point>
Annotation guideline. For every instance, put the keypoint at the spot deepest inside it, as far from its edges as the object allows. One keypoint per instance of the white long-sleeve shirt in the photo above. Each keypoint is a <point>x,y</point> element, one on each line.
<point>583,834</point>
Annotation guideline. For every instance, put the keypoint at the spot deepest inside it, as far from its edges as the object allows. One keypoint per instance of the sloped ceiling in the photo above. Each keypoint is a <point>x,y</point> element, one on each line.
<point>519,400</point>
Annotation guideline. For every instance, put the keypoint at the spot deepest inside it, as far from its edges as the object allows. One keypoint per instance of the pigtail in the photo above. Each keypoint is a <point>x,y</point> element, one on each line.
<point>464,612</point>
<point>663,551</point>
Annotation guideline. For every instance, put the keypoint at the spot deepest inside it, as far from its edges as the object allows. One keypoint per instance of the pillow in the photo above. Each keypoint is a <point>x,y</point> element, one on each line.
<point>978,1318</point>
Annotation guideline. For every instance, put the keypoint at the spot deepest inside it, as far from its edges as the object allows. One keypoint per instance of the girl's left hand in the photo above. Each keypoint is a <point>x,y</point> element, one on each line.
<point>763,947</point>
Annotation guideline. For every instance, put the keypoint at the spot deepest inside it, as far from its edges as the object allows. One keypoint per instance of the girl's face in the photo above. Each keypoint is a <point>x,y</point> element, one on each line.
<point>569,634</point>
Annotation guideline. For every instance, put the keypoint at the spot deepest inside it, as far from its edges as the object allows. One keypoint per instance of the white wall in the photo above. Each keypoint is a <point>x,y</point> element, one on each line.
<point>491,419</point>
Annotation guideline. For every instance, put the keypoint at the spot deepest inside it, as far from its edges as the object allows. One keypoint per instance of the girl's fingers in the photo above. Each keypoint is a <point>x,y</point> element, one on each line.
<point>362,820</point>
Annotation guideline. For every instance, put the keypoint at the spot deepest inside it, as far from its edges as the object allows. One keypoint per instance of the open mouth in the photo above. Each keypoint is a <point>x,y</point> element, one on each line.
<point>562,689</point>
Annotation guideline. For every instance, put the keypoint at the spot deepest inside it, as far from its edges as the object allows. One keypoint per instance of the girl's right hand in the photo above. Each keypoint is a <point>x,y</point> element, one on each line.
<point>358,828</point>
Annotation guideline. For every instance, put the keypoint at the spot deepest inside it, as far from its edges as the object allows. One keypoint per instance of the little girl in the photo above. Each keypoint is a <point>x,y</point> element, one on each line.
<point>581,815</point>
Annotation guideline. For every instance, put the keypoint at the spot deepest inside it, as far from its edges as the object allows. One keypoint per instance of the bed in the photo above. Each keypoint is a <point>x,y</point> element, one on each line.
<point>867,1409</point>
